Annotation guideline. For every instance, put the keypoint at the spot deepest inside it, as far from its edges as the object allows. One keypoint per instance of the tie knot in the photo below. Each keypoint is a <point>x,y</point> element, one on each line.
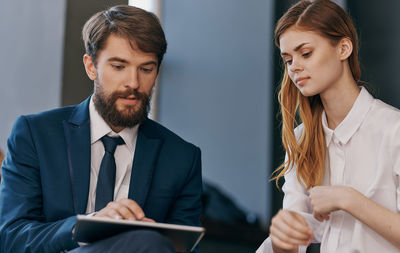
<point>110,143</point>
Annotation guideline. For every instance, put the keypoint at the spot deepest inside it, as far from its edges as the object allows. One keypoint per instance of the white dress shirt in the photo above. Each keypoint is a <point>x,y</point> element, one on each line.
<point>362,152</point>
<point>123,156</point>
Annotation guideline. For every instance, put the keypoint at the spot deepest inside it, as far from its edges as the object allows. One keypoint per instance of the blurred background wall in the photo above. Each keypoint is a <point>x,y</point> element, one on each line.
<point>214,91</point>
<point>378,24</point>
<point>31,56</point>
<point>217,86</point>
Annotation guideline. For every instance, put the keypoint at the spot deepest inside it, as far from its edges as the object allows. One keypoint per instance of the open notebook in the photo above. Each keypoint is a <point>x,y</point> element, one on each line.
<point>90,229</point>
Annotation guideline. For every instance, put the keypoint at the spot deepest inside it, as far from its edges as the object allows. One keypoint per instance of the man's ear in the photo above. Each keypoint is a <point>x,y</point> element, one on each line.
<point>345,48</point>
<point>89,67</point>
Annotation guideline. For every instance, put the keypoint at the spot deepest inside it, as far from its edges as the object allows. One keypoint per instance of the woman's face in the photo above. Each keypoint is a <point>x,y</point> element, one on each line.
<point>314,65</point>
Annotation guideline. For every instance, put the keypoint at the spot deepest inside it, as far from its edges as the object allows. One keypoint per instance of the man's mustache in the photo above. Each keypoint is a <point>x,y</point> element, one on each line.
<point>129,92</point>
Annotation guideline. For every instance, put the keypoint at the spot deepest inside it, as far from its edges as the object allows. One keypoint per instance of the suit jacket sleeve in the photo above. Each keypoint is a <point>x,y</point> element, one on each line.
<point>23,225</point>
<point>187,207</point>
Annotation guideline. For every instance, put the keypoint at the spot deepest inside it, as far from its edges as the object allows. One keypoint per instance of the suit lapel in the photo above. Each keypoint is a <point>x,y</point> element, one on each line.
<point>146,154</point>
<point>77,135</point>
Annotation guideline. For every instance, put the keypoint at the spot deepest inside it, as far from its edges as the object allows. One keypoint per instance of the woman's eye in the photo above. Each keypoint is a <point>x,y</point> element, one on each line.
<point>288,62</point>
<point>307,54</point>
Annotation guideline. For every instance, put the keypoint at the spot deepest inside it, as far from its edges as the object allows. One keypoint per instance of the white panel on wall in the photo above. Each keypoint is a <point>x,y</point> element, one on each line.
<point>31,49</point>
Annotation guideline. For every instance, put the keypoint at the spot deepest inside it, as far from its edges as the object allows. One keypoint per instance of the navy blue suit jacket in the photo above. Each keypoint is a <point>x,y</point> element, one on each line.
<point>46,179</point>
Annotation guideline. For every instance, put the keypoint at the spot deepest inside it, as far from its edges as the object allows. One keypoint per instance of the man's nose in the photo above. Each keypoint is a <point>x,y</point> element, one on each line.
<point>133,80</point>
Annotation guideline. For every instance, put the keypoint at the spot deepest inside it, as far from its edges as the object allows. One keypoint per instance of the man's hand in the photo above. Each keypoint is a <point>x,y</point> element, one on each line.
<point>123,209</point>
<point>288,230</point>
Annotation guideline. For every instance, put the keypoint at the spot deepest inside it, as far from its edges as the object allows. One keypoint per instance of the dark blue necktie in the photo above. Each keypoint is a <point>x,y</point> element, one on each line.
<point>106,178</point>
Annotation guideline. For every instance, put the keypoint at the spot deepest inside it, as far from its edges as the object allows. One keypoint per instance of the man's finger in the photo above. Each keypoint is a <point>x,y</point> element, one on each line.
<point>112,213</point>
<point>134,208</point>
<point>148,220</point>
<point>125,212</point>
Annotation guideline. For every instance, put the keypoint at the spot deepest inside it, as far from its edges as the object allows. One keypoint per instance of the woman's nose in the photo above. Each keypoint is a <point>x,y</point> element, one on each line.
<point>296,66</point>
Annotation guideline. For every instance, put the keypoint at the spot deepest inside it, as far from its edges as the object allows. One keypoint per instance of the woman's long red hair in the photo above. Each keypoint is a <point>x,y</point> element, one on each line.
<point>308,150</point>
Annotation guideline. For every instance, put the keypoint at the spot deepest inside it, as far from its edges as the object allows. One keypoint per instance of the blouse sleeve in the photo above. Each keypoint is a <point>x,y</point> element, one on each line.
<point>396,164</point>
<point>296,198</point>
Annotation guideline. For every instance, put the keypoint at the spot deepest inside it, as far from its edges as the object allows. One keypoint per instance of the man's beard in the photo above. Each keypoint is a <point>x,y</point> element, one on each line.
<point>130,115</point>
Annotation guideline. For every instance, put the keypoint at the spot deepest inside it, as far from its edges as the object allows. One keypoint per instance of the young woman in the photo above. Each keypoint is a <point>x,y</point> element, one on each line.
<point>342,168</point>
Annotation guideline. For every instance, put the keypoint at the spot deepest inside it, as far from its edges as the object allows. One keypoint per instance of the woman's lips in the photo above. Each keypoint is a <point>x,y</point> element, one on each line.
<point>301,81</point>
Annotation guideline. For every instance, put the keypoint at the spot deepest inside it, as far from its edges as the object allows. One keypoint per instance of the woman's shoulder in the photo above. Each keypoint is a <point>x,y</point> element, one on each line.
<point>383,119</point>
<point>384,112</point>
<point>298,131</point>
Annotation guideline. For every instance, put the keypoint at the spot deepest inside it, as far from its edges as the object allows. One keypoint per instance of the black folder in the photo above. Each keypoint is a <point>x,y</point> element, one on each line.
<point>89,229</point>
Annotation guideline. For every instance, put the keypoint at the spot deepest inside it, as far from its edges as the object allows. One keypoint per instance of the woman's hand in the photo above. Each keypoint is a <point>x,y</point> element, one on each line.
<point>288,230</point>
<point>327,199</point>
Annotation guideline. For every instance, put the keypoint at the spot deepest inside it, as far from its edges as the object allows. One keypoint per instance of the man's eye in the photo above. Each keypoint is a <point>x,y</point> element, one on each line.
<point>118,67</point>
<point>147,70</point>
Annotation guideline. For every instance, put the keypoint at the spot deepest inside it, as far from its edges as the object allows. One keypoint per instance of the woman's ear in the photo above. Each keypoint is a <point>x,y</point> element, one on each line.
<point>89,67</point>
<point>345,48</point>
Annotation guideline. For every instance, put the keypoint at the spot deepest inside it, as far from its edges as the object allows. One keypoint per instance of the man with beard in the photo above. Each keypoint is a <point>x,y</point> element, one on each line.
<point>103,157</point>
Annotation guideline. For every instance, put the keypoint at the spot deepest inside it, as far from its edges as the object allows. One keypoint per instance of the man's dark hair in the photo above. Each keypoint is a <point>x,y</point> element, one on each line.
<point>128,22</point>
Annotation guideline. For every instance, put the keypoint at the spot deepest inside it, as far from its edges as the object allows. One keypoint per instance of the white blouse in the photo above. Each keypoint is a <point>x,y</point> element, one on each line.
<point>362,152</point>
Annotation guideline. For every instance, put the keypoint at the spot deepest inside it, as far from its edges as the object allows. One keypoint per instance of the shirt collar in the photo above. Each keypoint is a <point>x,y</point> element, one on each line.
<point>99,128</point>
<point>347,128</point>
<point>327,131</point>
